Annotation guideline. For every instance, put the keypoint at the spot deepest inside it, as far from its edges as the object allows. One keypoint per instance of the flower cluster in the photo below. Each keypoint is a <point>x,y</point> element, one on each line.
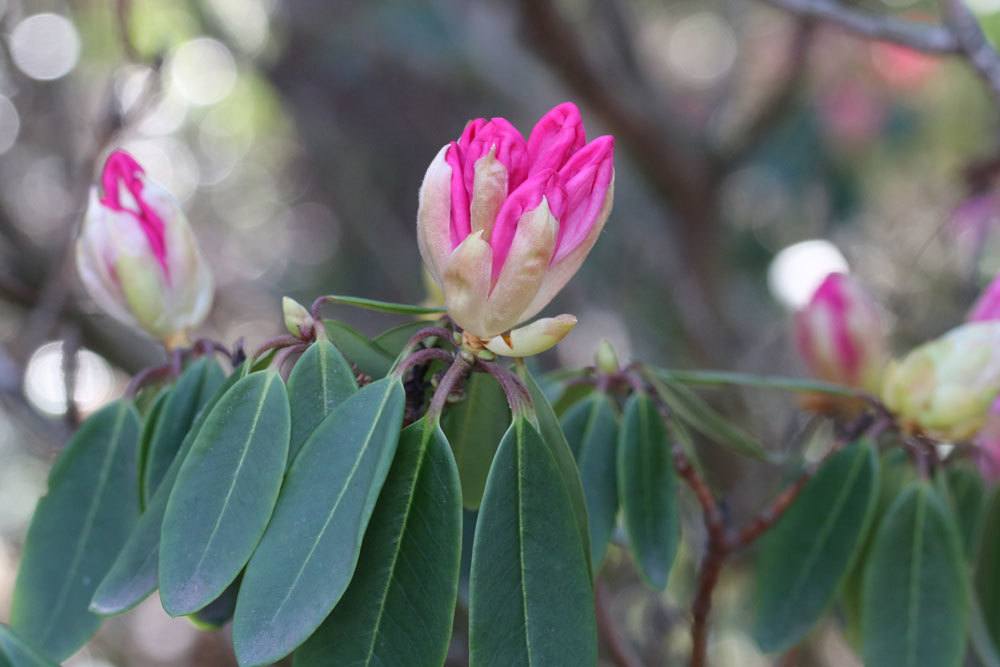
<point>947,388</point>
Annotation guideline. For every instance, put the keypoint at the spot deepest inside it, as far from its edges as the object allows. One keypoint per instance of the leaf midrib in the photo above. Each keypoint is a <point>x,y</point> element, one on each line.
<point>236,476</point>
<point>817,544</point>
<point>88,524</point>
<point>398,543</point>
<point>336,505</point>
<point>913,606</point>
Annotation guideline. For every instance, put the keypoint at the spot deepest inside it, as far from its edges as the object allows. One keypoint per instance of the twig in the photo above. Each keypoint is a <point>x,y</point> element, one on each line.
<point>925,37</point>
<point>451,381</point>
<point>421,357</point>
<point>971,40</point>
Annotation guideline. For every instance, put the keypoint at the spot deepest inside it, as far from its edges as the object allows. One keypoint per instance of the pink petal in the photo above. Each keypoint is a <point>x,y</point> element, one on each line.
<point>525,198</point>
<point>555,137</point>
<point>478,138</point>
<point>987,306</point>
<point>122,170</point>
<point>585,178</point>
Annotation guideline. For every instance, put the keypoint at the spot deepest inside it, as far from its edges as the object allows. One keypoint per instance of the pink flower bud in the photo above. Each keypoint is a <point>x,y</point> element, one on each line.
<point>841,334</point>
<point>137,256</point>
<point>987,306</point>
<point>504,223</point>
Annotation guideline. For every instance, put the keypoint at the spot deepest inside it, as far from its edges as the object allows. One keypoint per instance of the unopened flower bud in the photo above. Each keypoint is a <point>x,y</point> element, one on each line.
<point>606,359</point>
<point>137,256</point>
<point>533,338</point>
<point>947,386</point>
<point>841,334</point>
<point>504,222</point>
<point>298,321</point>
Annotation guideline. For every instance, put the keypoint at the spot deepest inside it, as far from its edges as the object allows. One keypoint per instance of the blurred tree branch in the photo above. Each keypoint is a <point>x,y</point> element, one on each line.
<point>917,35</point>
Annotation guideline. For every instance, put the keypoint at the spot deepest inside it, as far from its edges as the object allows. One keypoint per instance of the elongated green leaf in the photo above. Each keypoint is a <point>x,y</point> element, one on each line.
<point>988,569</point>
<point>980,640</point>
<point>647,490</point>
<point>916,604</point>
<point>14,652</point>
<point>149,424</point>
<point>356,348</point>
<point>308,555</point>
<point>699,415</point>
<point>552,434</point>
<point>967,493</point>
<point>894,473</point>
<point>778,383</point>
<point>321,380</point>
<point>134,573</point>
<point>224,494</point>
<point>394,340</point>
<point>531,597</point>
<point>809,552</point>
<point>383,306</point>
<point>592,432</point>
<point>195,387</point>
<point>399,606</point>
<point>474,428</point>
<point>76,532</point>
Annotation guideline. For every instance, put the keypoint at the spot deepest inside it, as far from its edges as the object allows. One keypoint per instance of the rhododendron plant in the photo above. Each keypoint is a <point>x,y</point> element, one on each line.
<point>330,492</point>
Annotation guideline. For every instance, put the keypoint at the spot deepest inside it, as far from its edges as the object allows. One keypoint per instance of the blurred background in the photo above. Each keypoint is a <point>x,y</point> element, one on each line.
<point>757,152</point>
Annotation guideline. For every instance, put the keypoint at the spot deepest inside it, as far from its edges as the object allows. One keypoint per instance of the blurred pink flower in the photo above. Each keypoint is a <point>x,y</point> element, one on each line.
<point>841,334</point>
<point>504,223</point>
<point>900,66</point>
<point>137,256</point>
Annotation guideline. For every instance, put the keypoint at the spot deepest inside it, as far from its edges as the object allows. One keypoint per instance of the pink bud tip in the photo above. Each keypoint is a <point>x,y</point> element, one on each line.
<point>840,333</point>
<point>987,306</point>
<point>122,171</point>
<point>556,163</point>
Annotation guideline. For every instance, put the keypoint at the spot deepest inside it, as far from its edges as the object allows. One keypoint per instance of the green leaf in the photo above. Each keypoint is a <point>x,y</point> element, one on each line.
<point>383,306</point>
<point>988,569</point>
<point>916,602</point>
<point>321,380</point>
<point>356,348</point>
<point>76,532</point>
<point>894,473</point>
<point>134,573</point>
<point>699,415</point>
<point>308,554</point>
<point>224,494</point>
<point>778,383</point>
<point>399,607</point>
<point>647,490</point>
<point>552,434</point>
<point>149,424</point>
<point>531,597</point>
<point>474,428</point>
<point>14,652</point>
<point>395,339</point>
<point>592,432</point>
<point>968,498</point>
<point>807,555</point>
<point>193,390</point>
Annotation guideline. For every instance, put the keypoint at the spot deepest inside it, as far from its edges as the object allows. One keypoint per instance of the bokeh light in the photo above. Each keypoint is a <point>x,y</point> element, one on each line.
<point>203,71</point>
<point>702,48</point>
<point>797,270</point>
<point>44,381</point>
<point>45,46</point>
